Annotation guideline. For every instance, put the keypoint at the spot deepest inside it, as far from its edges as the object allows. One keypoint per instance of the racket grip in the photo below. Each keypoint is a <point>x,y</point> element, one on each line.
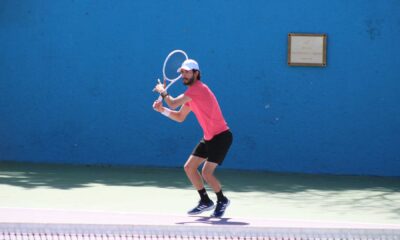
<point>159,98</point>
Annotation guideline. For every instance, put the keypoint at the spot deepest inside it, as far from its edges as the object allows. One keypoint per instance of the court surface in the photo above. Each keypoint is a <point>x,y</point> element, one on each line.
<point>103,195</point>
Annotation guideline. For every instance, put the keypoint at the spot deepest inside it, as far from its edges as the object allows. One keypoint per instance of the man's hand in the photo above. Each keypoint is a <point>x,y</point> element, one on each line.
<point>160,87</point>
<point>157,106</point>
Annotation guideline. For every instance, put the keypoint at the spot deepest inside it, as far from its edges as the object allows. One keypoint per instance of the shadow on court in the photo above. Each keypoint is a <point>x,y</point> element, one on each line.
<point>31,175</point>
<point>214,221</point>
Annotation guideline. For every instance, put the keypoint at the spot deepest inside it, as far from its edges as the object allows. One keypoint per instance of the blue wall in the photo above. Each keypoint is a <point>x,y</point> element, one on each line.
<point>76,80</point>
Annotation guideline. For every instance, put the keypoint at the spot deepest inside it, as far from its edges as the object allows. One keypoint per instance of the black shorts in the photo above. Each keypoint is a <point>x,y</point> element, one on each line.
<point>215,149</point>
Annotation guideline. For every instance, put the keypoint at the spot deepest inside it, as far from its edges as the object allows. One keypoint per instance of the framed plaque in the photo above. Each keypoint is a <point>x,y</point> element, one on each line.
<point>307,49</point>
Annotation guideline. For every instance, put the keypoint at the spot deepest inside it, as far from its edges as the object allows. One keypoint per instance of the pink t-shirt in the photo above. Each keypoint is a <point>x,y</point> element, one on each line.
<point>205,106</point>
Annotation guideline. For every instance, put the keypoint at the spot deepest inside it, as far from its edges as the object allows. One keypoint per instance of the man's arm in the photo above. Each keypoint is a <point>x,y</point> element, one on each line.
<point>173,103</point>
<point>178,116</point>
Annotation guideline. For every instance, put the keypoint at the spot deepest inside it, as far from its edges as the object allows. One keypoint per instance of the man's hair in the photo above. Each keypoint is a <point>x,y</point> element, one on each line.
<point>198,76</point>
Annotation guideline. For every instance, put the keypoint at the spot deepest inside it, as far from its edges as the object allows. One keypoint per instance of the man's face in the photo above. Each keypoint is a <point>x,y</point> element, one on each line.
<point>187,76</point>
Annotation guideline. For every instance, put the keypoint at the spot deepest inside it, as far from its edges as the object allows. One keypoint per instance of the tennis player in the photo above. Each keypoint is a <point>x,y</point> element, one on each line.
<point>217,139</point>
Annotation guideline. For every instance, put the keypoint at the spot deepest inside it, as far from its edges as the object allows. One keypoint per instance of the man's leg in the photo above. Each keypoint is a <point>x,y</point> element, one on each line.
<point>208,175</point>
<point>191,169</point>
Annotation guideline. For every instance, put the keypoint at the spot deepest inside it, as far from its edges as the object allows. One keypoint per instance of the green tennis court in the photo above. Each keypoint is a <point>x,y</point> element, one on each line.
<point>61,194</point>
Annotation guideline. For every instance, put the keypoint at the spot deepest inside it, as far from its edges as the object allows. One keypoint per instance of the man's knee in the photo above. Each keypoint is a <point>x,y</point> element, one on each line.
<point>192,164</point>
<point>188,168</point>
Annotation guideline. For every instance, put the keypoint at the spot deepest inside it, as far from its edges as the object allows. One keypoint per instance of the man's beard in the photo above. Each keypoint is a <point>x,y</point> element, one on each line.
<point>188,83</point>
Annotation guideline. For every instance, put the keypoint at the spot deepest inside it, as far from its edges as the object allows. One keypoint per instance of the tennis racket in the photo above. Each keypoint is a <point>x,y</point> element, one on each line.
<point>171,65</point>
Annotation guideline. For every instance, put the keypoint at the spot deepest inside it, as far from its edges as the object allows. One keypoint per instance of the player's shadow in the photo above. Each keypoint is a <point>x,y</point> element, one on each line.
<point>213,221</point>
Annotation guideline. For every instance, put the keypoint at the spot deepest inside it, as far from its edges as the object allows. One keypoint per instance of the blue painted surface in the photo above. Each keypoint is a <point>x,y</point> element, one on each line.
<point>76,80</point>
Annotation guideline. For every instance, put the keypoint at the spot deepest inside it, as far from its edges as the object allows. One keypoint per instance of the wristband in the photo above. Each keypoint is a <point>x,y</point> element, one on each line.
<point>164,94</point>
<point>166,112</point>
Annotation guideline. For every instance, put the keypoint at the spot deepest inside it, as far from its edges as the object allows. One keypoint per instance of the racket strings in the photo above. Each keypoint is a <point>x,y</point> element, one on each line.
<point>172,64</point>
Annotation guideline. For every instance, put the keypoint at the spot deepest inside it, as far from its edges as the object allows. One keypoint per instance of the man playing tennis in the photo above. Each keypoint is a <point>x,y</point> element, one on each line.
<point>213,147</point>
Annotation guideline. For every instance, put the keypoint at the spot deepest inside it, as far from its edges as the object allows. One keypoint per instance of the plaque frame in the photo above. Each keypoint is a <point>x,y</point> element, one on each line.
<point>308,54</point>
